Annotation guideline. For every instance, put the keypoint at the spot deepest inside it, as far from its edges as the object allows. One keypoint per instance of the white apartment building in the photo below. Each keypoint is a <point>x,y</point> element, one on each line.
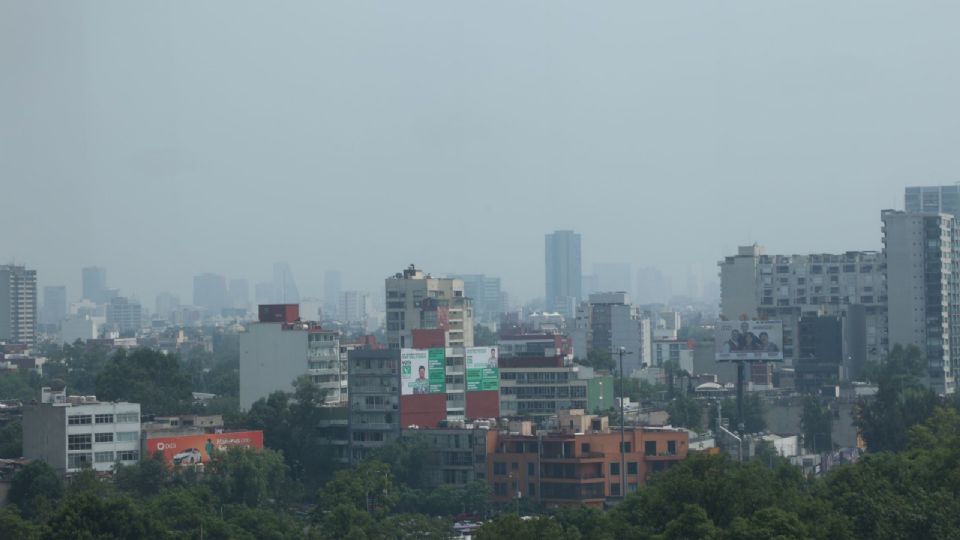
<point>923,278</point>
<point>416,300</point>
<point>77,432</point>
<point>786,287</point>
<point>274,354</point>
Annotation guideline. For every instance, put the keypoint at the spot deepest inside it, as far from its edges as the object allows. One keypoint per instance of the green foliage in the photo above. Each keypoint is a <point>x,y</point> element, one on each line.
<point>692,523</point>
<point>408,459</point>
<point>370,487</point>
<point>11,439</point>
<point>599,359</point>
<point>483,336</point>
<point>752,413</point>
<point>148,377</point>
<point>901,402</point>
<point>90,516</point>
<point>78,365</point>
<point>34,489</point>
<point>685,411</point>
<point>511,526</point>
<point>249,477</point>
<point>19,384</point>
<point>817,425</point>
<point>13,526</point>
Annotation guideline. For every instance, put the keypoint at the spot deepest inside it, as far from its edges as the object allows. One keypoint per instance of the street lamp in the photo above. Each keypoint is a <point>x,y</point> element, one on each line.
<point>623,420</point>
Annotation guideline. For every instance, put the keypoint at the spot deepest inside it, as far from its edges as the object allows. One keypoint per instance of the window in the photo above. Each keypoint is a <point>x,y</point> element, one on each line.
<point>672,448</point>
<point>614,468</point>
<point>125,418</point>
<point>632,467</point>
<point>500,489</point>
<point>650,448</point>
<point>499,467</point>
<point>103,457</point>
<point>103,437</point>
<point>626,449</point>
<point>515,466</point>
<point>79,419</point>
<point>79,442</point>
<point>128,455</point>
<point>76,461</point>
<point>531,489</point>
<point>531,469</point>
<point>127,436</point>
<point>585,447</point>
<point>615,490</point>
<point>104,419</point>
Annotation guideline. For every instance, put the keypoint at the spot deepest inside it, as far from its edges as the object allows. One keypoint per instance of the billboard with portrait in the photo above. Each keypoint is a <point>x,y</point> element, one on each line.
<point>482,369</point>
<point>422,371</point>
<point>193,449</point>
<point>749,340</point>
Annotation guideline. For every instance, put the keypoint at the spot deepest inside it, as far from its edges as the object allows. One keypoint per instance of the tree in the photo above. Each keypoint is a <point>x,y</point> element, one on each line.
<point>692,523</point>
<point>817,425</point>
<point>599,359</point>
<point>752,413</point>
<point>483,336</point>
<point>249,477</point>
<point>685,411</point>
<point>13,526</point>
<point>901,401</point>
<point>35,488</point>
<point>369,487</point>
<point>19,385</point>
<point>11,439</point>
<point>148,377</point>
<point>90,516</point>
<point>408,459</point>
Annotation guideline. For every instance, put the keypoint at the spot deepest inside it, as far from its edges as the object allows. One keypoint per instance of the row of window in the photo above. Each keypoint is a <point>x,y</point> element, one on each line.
<point>86,419</point>
<point>82,459</point>
<point>84,441</point>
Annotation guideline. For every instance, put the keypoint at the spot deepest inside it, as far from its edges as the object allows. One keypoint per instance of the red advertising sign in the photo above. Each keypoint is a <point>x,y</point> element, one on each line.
<point>193,449</point>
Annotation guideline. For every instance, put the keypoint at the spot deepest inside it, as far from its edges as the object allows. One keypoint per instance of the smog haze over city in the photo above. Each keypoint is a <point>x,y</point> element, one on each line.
<point>162,140</point>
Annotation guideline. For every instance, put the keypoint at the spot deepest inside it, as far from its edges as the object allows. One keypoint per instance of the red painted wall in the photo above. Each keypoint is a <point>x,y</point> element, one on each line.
<point>278,312</point>
<point>484,404</point>
<point>425,410</point>
<point>434,338</point>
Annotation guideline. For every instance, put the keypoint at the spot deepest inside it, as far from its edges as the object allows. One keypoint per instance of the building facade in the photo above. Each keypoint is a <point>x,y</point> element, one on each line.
<point>18,305</point>
<point>280,348</point>
<point>54,305</point>
<point>77,432</point>
<point>94,281</point>
<point>563,272</point>
<point>932,200</point>
<point>579,463</point>
<point>786,287</point>
<point>416,300</point>
<point>374,417</point>
<point>609,322</point>
<point>485,295</point>
<point>124,315</point>
<point>923,277</point>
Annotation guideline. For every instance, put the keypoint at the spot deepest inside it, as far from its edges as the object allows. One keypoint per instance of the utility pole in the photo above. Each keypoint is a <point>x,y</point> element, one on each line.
<point>623,420</point>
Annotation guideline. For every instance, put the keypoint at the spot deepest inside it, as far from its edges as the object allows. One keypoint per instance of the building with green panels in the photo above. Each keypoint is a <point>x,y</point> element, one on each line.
<point>538,388</point>
<point>600,393</point>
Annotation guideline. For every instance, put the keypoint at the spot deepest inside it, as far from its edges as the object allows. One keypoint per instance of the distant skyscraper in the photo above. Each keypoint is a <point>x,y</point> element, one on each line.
<point>486,295</point>
<point>653,287</point>
<point>239,294</point>
<point>124,315</point>
<point>54,304</point>
<point>331,289</point>
<point>933,199</point>
<point>210,292</point>
<point>18,304</point>
<point>285,287</point>
<point>353,306</point>
<point>95,284</point>
<point>563,271</point>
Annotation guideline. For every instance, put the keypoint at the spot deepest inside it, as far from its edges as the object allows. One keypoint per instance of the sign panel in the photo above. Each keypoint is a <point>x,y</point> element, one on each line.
<point>748,340</point>
<point>422,371</point>
<point>193,449</point>
<point>482,369</point>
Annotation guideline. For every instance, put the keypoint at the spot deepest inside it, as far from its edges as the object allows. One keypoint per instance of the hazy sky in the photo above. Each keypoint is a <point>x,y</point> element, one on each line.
<point>165,139</point>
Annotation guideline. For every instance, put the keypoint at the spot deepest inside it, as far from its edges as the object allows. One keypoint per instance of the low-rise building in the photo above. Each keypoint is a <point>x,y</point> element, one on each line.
<point>71,433</point>
<point>580,463</point>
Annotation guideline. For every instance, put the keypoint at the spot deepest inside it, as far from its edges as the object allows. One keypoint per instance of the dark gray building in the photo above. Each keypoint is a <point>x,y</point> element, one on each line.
<point>18,304</point>
<point>94,284</point>
<point>373,379</point>
<point>563,271</point>
<point>54,305</point>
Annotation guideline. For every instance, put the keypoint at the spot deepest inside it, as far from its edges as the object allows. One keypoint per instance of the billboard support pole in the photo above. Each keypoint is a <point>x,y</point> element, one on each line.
<point>741,427</point>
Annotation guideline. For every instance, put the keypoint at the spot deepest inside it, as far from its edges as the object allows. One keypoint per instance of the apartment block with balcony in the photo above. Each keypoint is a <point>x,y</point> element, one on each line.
<point>788,287</point>
<point>415,300</point>
<point>580,462</point>
<point>374,417</point>
<point>18,305</point>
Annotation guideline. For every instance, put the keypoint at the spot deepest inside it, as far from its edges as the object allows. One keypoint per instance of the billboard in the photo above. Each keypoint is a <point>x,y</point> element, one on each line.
<point>193,449</point>
<point>748,340</point>
<point>481,368</point>
<point>422,371</point>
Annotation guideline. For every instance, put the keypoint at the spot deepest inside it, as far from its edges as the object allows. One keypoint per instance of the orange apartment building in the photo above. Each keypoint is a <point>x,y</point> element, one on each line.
<point>579,463</point>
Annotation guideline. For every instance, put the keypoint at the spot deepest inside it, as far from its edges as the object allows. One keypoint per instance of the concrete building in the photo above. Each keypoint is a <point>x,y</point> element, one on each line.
<point>673,350</point>
<point>538,378</point>
<point>210,293</point>
<point>821,359</point>
<point>94,279</point>
<point>124,315</point>
<point>76,432</point>
<point>923,279</point>
<point>82,327</point>
<point>374,381</point>
<point>485,295</point>
<point>416,301</point>
<point>457,454</point>
<point>279,348</point>
<point>239,294</point>
<point>608,322</point>
<point>54,305</point>
<point>563,272</point>
<point>787,287</point>
<point>353,307</point>
<point>332,285</point>
<point>166,305</point>
<point>18,305</point>
<point>578,463</point>
<point>933,200</point>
